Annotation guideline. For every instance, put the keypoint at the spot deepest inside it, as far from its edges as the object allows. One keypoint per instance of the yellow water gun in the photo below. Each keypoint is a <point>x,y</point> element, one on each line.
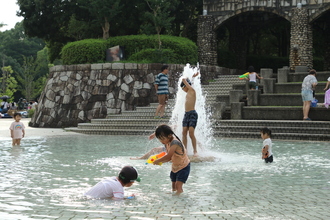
<point>152,158</point>
<point>245,75</point>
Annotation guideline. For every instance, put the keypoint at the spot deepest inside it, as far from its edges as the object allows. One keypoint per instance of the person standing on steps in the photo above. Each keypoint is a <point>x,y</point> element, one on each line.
<point>327,94</point>
<point>161,86</point>
<point>253,78</point>
<point>307,88</point>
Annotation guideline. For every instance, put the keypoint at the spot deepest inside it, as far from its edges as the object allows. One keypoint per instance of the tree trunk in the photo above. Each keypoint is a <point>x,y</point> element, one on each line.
<point>106,28</point>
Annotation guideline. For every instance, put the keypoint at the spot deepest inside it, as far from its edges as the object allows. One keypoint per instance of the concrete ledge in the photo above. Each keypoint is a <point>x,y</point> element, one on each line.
<point>285,99</point>
<point>284,113</point>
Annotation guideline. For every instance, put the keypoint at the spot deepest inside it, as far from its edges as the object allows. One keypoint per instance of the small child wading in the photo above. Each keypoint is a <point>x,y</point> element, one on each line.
<point>17,129</point>
<point>113,187</point>
<point>177,153</point>
<point>267,153</point>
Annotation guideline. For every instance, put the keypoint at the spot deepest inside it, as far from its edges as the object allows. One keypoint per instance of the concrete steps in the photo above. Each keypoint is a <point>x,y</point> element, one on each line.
<point>281,129</point>
<point>142,122</point>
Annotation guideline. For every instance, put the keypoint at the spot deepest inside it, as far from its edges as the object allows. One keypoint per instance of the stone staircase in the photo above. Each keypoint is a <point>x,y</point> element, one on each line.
<point>142,122</point>
<point>221,86</point>
<point>281,129</point>
<point>138,122</point>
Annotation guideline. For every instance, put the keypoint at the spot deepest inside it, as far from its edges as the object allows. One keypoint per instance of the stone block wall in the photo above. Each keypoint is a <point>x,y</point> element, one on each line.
<point>78,93</point>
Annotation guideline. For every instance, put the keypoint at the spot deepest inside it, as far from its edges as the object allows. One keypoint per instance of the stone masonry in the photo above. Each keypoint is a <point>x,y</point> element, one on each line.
<point>301,51</point>
<point>300,13</point>
<point>78,93</point>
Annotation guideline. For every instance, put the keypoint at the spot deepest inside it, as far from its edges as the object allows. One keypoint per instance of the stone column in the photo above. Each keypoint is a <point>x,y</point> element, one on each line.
<point>269,85</point>
<point>253,97</point>
<point>301,39</point>
<point>236,111</point>
<point>282,75</point>
<point>218,109</point>
<point>235,95</point>
<point>266,74</point>
<point>206,41</point>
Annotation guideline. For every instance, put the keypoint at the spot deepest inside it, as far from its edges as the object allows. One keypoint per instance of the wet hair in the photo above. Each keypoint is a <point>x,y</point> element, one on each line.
<point>312,71</point>
<point>251,69</point>
<point>17,113</point>
<point>182,83</point>
<point>164,68</point>
<point>128,174</point>
<point>163,131</point>
<point>266,130</point>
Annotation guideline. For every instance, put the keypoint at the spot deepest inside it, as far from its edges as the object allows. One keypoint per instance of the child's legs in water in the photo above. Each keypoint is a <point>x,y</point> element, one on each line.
<point>16,142</point>
<point>177,187</point>
<point>179,178</point>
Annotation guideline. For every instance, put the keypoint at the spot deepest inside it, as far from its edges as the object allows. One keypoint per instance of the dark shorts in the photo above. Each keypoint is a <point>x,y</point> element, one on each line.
<point>181,175</point>
<point>252,85</point>
<point>269,159</point>
<point>190,119</point>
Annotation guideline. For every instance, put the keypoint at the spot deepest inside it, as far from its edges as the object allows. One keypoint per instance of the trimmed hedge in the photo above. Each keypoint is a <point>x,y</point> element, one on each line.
<point>263,61</point>
<point>177,49</point>
<point>318,64</point>
<point>155,56</point>
<point>84,51</point>
<point>185,49</point>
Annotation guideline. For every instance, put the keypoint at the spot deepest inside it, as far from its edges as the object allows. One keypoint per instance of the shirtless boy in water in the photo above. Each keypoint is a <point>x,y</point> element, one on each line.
<point>190,117</point>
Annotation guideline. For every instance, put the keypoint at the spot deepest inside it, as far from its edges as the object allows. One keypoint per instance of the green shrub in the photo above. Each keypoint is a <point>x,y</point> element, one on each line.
<point>226,59</point>
<point>84,51</point>
<point>271,62</point>
<point>318,64</point>
<point>154,56</point>
<point>174,49</point>
<point>184,49</point>
<point>30,112</point>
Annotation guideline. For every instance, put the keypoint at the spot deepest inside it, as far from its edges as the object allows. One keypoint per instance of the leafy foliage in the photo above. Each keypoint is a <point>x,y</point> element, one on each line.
<point>61,21</point>
<point>28,77</point>
<point>184,48</point>
<point>159,16</point>
<point>93,50</point>
<point>8,83</point>
<point>103,12</point>
<point>15,43</point>
<point>84,51</point>
<point>272,62</point>
<point>155,56</point>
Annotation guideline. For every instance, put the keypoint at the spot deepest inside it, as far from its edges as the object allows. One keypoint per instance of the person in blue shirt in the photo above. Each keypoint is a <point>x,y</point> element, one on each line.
<point>161,86</point>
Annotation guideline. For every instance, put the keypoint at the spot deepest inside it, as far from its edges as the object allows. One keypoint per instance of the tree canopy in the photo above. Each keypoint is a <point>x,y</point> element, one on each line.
<point>61,21</point>
<point>15,48</point>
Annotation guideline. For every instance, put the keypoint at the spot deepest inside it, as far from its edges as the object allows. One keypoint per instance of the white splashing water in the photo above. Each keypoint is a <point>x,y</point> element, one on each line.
<point>203,130</point>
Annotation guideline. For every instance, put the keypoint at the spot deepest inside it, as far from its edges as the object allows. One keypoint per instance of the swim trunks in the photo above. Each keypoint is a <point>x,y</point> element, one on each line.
<point>182,175</point>
<point>190,119</point>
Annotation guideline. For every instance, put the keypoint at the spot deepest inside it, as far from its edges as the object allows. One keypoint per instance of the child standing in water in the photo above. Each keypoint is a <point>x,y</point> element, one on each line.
<point>267,153</point>
<point>177,153</point>
<point>17,129</point>
<point>189,122</point>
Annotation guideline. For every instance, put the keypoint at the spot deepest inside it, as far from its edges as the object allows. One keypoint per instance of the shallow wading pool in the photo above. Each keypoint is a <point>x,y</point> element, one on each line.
<point>46,177</point>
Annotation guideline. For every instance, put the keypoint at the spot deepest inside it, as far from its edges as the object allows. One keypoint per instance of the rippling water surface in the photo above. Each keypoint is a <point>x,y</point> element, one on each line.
<point>46,177</point>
